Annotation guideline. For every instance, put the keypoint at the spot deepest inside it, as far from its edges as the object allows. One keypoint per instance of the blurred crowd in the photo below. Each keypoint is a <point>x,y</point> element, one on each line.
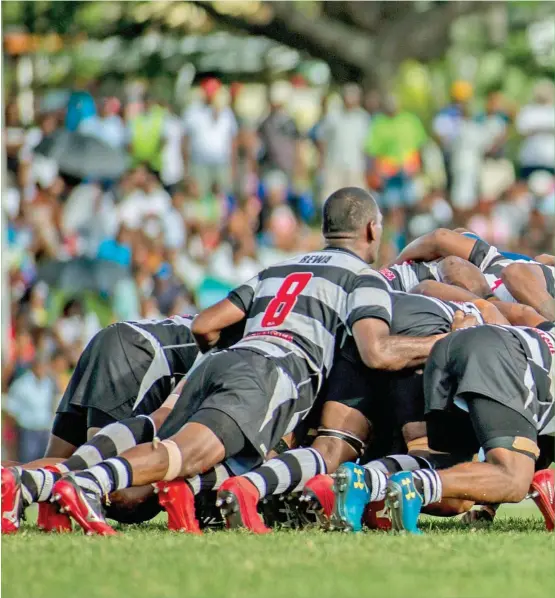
<point>210,197</point>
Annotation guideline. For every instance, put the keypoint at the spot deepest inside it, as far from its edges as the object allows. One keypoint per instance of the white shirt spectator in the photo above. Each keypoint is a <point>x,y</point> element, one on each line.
<point>30,401</point>
<point>210,134</point>
<point>175,235</point>
<point>538,148</point>
<point>138,205</point>
<point>344,134</point>
<point>172,158</point>
<point>222,266</point>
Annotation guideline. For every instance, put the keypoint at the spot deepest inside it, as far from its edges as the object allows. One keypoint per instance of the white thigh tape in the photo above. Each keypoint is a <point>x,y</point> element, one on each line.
<point>175,460</point>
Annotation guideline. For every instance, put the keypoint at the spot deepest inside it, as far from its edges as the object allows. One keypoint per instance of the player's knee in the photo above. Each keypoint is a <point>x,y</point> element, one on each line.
<point>337,446</point>
<point>516,474</point>
<point>517,489</point>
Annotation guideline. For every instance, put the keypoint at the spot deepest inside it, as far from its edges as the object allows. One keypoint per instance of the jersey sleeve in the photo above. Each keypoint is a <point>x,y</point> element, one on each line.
<point>483,254</point>
<point>369,298</point>
<point>242,296</point>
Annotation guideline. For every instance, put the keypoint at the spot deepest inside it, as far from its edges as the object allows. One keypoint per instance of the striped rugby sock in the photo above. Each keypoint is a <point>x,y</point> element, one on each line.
<point>377,472</point>
<point>106,477</point>
<point>288,472</point>
<point>36,485</point>
<point>110,441</point>
<point>428,484</point>
<point>210,480</point>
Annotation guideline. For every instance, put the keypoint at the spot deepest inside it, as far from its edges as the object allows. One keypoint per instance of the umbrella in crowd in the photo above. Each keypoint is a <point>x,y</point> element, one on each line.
<point>82,274</point>
<point>83,156</point>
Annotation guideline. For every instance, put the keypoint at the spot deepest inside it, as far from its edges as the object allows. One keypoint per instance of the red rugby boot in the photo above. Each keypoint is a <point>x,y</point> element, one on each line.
<point>12,501</point>
<point>542,492</point>
<point>238,500</point>
<point>319,497</point>
<point>376,516</point>
<point>49,518</point>
<point>85,509</point>
<point>178,501</point>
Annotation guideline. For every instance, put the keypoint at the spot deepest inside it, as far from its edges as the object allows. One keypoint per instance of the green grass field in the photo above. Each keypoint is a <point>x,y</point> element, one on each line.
<point>514,558</point>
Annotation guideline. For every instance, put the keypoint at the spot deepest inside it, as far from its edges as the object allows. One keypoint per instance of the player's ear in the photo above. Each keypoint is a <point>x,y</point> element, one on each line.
<point>371,231</point>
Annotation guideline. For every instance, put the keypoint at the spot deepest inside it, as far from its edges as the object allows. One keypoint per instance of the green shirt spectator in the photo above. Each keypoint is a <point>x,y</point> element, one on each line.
<point>394,142</point>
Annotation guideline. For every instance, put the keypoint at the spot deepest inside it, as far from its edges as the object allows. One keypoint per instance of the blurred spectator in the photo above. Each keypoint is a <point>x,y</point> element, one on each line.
<point>147,135</point>
<point>211,140</point>
<point>372,102</point>
<point>393,145</point>
<point>81,106</point>
<point>117,250</point>
<point>497,171</point>
<point>89,214</point>
<point>15,136</point>
<point>173,168</point>
<point>108,125</point>
<point>467,153</point>
<point>30,403</point>
<point>281,237</point>
<point>175,231</point>
<point>143,195</point>
<point>279,136</point>
<point>536,124</point>
<point>36,306</point>
<point>341,140</point>
<point>448,120</point>
<point>75,328</point>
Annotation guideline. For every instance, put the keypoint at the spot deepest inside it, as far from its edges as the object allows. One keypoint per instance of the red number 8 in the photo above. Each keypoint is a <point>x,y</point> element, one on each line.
<point>286,298</point>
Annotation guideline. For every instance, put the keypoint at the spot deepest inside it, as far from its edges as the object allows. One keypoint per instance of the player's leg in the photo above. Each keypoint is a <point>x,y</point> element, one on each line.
<point>341,436</point>
<point>482,370</point>
<point>208,436</point>
<point>509,441</point>
<point>532,285</point>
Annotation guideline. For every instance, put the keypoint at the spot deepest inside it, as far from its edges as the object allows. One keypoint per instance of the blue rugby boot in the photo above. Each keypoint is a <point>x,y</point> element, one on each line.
<point>404,502</point>
<point>352,494</point>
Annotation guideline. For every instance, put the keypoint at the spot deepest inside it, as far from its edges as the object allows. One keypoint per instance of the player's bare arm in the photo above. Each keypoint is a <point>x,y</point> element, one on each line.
<point>520,315</point>
<point>208,325</point>
<point>546,259</point>
<point>379,350</point>
<point>441,242</point>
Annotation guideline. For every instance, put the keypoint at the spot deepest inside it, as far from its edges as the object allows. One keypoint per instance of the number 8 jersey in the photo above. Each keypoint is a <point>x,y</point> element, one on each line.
<point>300,304</point>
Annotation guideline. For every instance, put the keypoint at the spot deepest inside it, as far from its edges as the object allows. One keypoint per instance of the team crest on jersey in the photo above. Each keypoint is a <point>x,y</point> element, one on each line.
<point>387,273</point>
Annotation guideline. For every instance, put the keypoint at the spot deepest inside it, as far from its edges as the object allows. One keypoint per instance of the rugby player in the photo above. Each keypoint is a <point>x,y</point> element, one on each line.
<point>355,401</point>
<point>520,280</point>
<point>118,396</point>
<point>243,400</point>
<point>488,387</point>
<point>131,374</point>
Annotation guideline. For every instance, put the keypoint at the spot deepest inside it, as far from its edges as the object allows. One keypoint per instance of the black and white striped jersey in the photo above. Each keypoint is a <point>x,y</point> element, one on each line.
<point>492,263</point>
<point>405,276</point>
<point>172,341</point>
<point>539,346</point>
<point>301,304</point>
<point>417,315</point>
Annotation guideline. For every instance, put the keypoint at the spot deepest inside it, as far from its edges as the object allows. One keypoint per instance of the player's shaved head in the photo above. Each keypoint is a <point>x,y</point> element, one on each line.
<point>347,211</point>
